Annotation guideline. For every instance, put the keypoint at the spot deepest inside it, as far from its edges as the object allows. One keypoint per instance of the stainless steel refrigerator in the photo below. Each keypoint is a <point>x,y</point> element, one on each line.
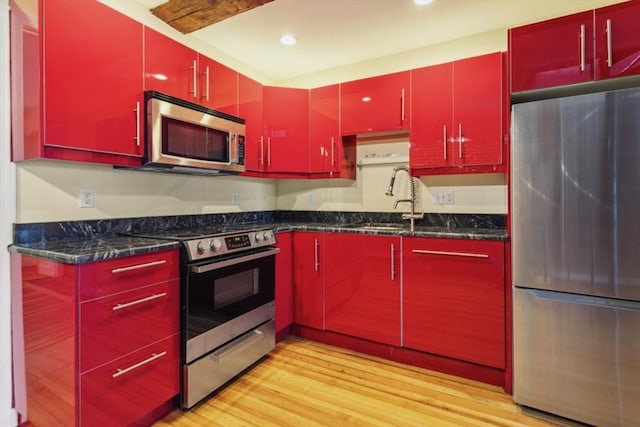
<point>575,193</point>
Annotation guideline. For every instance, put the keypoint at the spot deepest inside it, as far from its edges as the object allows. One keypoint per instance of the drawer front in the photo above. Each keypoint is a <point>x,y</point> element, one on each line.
<point>122,274</point>
<point>120,392</point>
<point>119,324</point>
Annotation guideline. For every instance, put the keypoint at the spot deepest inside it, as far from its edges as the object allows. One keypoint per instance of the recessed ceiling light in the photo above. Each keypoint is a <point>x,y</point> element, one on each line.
<point>422,2</point>
<point>288,40</point>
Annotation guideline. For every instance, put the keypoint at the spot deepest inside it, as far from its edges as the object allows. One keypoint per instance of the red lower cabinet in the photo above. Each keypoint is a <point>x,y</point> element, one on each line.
<point>362,284</point>
<point>121,391</point>
<point>308,279</point>
<point>454,299</point>
<point>284,283</point>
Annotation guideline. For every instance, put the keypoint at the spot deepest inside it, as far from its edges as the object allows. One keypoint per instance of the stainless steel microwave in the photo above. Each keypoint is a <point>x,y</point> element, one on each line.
<point>186,137</point>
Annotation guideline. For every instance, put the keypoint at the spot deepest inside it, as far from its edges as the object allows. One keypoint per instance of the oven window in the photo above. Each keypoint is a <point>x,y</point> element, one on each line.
<point>236,287</point>
<point>194,141</point>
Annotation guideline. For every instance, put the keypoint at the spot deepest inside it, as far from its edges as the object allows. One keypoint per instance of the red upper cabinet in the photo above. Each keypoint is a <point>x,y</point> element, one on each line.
<point>375,104</point>
<point>285,144</point>
<point>457,114</point>
<point>617,41</point>
<point>325,148</point>
<point>362,296</point>
<point>454,299</point>
<point>170,67</point>
<point>92,81</point>
<point>552,53</point>
<point>250,108</point>
<point>218,86</point>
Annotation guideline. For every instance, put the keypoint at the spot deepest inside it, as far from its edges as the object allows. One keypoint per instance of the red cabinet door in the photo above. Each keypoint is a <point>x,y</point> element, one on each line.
<point>454,302</point>
<point>375,104</point>
<point>308,279</point>
<point>477,111</point>
<point>286,129</point>
<point>250,108</point>
<point>432,120</point>
<point>170,67</point>
<point>218,86</point>
<point>284,281</point>
<point>84,59</point>
<point>617,40</point>
<point>362,296</point>
<point>325,148</point>
<point>552,53</point>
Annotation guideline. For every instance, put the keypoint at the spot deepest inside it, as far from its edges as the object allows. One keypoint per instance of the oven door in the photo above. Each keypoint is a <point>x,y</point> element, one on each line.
<point>225,298</point>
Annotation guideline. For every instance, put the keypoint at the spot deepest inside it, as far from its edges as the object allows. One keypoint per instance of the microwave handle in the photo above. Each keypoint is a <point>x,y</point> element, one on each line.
<point>216,265</point>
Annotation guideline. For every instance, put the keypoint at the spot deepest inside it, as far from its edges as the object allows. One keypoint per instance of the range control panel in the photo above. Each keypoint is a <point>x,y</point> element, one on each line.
<point>210,246</point>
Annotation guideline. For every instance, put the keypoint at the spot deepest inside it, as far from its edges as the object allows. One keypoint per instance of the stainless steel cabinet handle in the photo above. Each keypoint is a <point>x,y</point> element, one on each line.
<point>444,142</point>
<point>460,140</point>
<point>138,301</point>
<point>316,265</point>
<point>262,150</point>
<point>137,111</point>
<point>153,357</point>
<point>138,266</point>
<point>393,262</point>
<point>206,83</point>
<point>268,151</point>
<point>195,79</point>
<point>582,47</point>
<point>609,49</point>
<point>402,107</point>
<point>333,151</point>
<point>461,254</point>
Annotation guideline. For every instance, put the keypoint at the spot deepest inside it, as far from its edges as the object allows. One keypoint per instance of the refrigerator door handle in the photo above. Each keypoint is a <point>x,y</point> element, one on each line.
<point>585,299</point>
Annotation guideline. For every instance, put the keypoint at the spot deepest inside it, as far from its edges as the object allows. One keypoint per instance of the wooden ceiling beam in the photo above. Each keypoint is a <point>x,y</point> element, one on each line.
<point>187,16</point>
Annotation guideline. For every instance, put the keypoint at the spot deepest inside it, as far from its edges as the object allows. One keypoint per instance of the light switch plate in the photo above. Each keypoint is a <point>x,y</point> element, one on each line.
<point>86,198</point>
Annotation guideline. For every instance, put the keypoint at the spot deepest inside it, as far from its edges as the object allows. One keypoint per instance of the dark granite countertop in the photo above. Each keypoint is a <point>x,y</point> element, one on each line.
<point>77,242</point>
<point>83,251</point>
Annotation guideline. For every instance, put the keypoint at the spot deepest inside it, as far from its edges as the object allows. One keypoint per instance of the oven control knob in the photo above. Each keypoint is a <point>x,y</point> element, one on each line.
<point>215,245</point>
<point>201,249</point>
<point>258,237</point>
<point>267,235</point>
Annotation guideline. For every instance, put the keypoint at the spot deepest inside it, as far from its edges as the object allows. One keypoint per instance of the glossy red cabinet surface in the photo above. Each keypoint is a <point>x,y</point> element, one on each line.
<point>376,104</point>
<point>617,40</point>
<point>92,80</point>
<point>454,299</point>
<point>250,108</point>
<point>218,86</point>
<point>362,295</point>
<point>121,323</point>
<point>119,392</point>
<point>284,281</point>
<point>552,53</point>
<point>170,67</point>
<point>308,279</point>
<point>286,129</point>
<point>457,114</point>
<point>325,144</point>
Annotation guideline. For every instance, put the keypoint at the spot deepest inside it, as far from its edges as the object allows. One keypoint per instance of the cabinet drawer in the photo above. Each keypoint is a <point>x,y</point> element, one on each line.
<point>121,323</point>
<point>120,392</point>
<point>122,274</point>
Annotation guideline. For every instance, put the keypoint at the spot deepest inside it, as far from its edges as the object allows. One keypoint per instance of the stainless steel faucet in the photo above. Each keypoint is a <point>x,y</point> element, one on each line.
<point>412,215</point>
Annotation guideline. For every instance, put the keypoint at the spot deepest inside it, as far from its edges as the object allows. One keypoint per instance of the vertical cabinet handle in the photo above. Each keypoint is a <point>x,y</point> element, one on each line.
<point>137,111</point>
<point>316,259</point>
<point>609,50</point>
<point>444,142</point>
<point>393,262</point>
<point>402,107</point>
<point>582,47</point>
<point>460,140</point>
<point>268,151</point>
<point>333,151</point>
<point>206,83</point>
<point>262,150</point>
<point>194,69</point>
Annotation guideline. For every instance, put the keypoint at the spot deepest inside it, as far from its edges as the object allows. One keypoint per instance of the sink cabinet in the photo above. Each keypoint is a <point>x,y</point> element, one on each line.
<point>102,339</point>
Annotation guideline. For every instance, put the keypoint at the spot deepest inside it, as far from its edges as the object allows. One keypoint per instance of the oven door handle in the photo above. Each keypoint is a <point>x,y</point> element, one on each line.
<point>222,264</point>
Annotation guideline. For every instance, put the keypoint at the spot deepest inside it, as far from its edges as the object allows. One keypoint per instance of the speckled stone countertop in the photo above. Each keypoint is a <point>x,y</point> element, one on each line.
<point>77,242</point>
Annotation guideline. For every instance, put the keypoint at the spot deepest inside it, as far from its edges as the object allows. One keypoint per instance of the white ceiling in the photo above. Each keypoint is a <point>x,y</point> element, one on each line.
<point>335,33</point>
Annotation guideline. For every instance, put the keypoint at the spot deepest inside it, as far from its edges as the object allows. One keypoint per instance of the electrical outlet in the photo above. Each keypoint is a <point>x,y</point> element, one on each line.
<point>310,197</point>
<point>234,198</point>
<point>444,197</point>
<point>86,198</point>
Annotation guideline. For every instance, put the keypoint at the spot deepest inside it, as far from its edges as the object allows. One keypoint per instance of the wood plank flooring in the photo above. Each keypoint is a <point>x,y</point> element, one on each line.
<point>304,383</point>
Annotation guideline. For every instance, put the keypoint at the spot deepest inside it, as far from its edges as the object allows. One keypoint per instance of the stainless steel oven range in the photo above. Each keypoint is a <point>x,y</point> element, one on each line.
<point>228,292</point>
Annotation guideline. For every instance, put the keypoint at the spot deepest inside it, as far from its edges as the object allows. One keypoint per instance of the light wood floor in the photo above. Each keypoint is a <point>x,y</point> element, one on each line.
<point>304,383</point>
